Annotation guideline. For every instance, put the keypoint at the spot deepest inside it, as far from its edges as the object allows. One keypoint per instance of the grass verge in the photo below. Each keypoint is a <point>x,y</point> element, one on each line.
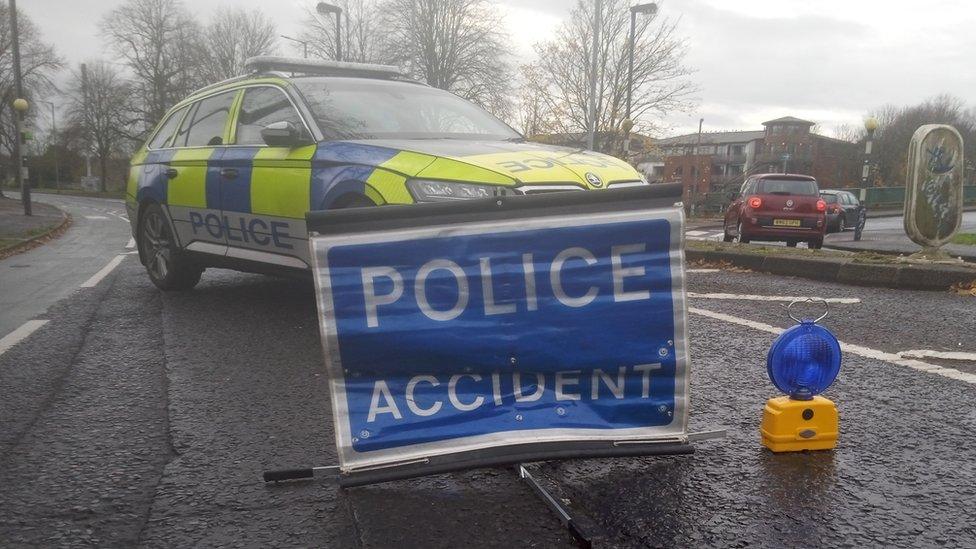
<point>966,239</point>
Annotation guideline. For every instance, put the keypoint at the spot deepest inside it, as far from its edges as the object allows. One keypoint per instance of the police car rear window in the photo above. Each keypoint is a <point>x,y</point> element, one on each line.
<point>358,108</point>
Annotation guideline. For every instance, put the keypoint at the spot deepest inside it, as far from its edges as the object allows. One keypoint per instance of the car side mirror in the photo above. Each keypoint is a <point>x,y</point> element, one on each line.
<point>284,134</point>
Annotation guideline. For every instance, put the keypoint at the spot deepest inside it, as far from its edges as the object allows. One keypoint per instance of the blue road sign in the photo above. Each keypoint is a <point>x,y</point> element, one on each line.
<point>451,339</point>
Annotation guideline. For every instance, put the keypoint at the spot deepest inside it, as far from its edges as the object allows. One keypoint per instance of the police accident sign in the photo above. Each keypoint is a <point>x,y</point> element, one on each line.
<point>455,338</point>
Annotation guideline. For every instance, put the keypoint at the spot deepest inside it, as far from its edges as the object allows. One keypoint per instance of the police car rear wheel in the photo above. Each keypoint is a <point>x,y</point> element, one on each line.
<point>167,269</point>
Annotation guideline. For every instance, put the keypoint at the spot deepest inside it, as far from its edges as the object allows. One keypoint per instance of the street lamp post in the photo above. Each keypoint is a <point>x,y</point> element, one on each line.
<point>302,42</point>
<point>326,9</point>
<point>54,137</point>
<point>870,124</point>
<point>594,71</point>
<point>651,9</point>
<point>20,106</point>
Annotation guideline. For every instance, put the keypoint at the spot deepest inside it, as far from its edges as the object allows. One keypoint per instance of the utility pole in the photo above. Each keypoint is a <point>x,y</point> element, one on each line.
<point>84,101</point>
<point>20,105</point>
<point>54,145</point>
<point>650,8</point>
<point>594,71</point>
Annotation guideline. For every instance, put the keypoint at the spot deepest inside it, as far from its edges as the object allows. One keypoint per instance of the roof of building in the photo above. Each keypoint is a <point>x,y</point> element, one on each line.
<point>789,120</point>
<point>713,138</point>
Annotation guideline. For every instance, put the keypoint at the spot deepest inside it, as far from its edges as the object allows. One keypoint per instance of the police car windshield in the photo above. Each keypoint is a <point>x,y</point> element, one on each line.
<point>358,108</point>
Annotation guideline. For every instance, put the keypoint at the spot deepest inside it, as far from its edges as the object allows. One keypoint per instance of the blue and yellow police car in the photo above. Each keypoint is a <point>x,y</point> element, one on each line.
<point>226,178</point>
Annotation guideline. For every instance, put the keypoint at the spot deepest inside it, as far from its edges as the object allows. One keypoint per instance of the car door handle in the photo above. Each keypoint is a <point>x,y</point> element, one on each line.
<point>171,172</point>
<point>228,173</point>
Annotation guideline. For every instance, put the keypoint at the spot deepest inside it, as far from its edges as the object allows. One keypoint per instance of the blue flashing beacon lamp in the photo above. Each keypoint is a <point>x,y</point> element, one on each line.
<point>802,362</point>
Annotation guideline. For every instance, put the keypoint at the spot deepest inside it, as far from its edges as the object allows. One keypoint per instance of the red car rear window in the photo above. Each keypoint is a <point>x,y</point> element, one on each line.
<point>788,186</point>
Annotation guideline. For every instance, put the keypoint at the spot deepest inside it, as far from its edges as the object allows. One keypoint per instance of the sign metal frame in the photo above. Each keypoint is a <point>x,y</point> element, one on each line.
<point>492,216</point>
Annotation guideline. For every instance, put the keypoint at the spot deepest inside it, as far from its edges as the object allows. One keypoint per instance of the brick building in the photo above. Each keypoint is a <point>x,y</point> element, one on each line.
<point>719,161</point>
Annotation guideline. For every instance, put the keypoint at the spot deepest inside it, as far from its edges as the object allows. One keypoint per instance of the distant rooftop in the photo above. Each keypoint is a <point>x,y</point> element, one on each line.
<point>789,120</point>
<point>713,138</point>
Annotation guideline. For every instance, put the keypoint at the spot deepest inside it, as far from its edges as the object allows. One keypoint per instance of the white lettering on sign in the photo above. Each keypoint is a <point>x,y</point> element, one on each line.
<point>477,391</point>
<point>372,300</point>
<point>420,289</point>
<point>617,278</point>
<point>620,272</point>
<point>555,277</point>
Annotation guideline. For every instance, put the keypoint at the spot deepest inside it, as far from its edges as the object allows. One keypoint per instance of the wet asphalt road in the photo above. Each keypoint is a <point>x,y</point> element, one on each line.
<point>140,418</point>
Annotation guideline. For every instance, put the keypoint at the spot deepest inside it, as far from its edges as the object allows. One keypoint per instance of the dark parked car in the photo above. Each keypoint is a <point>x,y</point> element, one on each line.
<point>843,210</point>
<point>777,207</point>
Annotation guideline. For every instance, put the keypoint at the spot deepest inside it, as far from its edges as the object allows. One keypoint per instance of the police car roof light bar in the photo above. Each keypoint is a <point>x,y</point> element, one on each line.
<point>271,63</point>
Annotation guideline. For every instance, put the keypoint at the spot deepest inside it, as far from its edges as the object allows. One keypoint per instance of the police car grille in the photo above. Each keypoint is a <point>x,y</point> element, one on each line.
<point>540,189</point>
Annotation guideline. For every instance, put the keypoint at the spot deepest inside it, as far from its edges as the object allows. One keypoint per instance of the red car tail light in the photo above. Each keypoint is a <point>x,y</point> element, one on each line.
<point>821,205</point>
<point>755,202</point>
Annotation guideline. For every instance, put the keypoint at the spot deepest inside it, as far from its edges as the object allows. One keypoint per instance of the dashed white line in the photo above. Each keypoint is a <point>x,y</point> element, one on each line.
<point>858,350</point>
<point>95,217</point>
<point>131,243</point>
<point>703,270</point>
<point>746,297</point>
<point>696,233</point>
<point>97,277</point>
<point>945,355</point>
<point>20,334</point>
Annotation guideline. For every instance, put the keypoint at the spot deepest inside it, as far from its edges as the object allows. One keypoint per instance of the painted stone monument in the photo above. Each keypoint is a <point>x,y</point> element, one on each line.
<point>934,193</point>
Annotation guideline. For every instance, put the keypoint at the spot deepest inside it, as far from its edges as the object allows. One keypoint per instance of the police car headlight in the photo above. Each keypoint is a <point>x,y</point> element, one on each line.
<point>424,190</point>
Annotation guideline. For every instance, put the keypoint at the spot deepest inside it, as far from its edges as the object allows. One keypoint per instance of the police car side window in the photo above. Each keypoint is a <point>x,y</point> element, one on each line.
<point>260,107</point>
<point>166,130</point>
<point>205,126</point>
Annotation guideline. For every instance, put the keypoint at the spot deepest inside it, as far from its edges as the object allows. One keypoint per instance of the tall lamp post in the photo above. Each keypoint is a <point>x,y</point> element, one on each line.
<point>302,42</point>
<point>649,9</point>
<point>54,137</point>
<point>327,9</point>
<point>870,124</point>
<point>20,106</point>
<point>594,72</point>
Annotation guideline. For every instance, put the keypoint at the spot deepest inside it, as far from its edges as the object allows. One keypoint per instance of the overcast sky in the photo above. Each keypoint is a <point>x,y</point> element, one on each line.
<point>829,61</point>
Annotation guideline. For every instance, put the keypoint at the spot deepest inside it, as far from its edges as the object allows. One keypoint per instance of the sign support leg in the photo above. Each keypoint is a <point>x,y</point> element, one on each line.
<point>581,538</point>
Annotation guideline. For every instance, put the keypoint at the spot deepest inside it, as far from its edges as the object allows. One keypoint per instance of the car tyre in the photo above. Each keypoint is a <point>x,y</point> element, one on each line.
<point>815,244</point>
<point>167,267</point>
<point>841,226</point>
<point>740,236</point>
<point>791,243</point>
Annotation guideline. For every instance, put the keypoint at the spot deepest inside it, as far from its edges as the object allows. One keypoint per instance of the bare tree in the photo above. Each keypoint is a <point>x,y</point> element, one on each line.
<point>99,109</point>
<point>661,80</point>
<point>455,45</point>
<point>897,124</point>
<point>162,44</point>
<point>362,34</point>
<point>38,61</point>
<point>232,37</point>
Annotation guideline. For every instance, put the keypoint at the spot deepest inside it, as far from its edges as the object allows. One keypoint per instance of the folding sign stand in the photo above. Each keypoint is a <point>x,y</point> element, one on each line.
<point>503,331</point>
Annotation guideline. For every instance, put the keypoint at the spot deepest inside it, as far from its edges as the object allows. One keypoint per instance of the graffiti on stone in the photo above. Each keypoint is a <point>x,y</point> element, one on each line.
<point>933,198</point>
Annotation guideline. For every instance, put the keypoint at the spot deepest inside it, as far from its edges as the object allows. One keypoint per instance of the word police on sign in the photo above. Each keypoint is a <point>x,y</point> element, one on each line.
<point>535,330</point>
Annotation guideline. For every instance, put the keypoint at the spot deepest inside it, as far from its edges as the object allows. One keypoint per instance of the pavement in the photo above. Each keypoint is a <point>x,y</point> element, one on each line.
<point>15,227</point>
<point>37,279</point>
<point>139,418</point>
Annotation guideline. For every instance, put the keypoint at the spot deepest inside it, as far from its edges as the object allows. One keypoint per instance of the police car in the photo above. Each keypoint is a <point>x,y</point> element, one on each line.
<point>226,178</point>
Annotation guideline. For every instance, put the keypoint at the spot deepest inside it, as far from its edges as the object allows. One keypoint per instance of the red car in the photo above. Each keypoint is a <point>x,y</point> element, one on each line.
<point>777,207</point>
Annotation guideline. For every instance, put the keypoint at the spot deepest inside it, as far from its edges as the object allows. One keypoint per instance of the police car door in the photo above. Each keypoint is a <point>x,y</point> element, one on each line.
<point>192,202</point>
<point>265,201</point>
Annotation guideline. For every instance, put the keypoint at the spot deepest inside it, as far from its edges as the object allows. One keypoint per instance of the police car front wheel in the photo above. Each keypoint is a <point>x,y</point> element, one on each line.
<point>167,268</point>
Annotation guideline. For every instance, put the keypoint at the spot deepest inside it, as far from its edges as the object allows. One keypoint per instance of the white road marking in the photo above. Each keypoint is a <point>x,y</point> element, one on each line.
<point>131,243</point>
<point>95,217</point>
<point>703,270</point>
<point>704,235</point>
<point>20,334</point>
<point>858,350</point>
<point>696,233</point>
<point>746,297</point>
<point>945,355</point>
<point>97,277</point>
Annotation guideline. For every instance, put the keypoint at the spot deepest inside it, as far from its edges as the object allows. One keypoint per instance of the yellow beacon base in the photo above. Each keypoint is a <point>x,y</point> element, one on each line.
<point>794,425</point>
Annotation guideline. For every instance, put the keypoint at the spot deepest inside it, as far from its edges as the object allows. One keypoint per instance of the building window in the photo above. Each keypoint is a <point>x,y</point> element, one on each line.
<point>735,169</point>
